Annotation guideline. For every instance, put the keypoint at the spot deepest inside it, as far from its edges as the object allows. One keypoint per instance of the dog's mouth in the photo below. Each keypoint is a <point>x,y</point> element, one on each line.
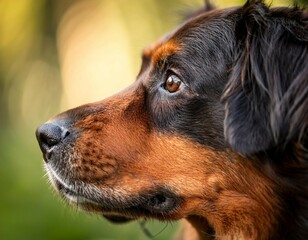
<point>159,203</point>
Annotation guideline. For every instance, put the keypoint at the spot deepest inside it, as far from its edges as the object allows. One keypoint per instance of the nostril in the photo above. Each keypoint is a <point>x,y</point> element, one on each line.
<point>49,135</point>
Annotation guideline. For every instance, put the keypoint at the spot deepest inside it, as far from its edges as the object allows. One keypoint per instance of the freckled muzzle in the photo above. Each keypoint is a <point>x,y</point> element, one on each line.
<point>90,191</point>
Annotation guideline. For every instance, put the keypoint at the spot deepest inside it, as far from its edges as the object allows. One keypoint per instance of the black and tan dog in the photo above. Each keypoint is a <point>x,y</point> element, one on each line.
<point>214,130</point>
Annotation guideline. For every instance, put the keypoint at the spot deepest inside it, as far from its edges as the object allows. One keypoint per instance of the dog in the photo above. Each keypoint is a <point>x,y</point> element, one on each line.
<point>213,131</point>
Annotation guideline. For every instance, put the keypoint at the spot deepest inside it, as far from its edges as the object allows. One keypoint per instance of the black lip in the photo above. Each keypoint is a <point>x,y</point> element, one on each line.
<point>117,219</point>
<point>162,201</point>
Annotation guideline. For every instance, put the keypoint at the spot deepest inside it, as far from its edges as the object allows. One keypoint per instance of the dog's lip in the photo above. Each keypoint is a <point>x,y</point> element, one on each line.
<point>118,219</point>
<point>158,203</point>
<point>72,195</point>
<point>68,191</point>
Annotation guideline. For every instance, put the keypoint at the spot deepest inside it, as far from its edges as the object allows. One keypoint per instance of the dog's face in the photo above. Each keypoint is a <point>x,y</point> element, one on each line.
<point>135,153</point>
<point>157,149</point>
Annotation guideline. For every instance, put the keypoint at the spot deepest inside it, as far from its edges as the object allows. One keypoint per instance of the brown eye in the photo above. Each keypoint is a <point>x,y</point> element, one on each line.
<point>172,84</point>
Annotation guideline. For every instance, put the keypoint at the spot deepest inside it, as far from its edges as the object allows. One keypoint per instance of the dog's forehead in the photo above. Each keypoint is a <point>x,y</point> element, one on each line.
<point>183,35</point>
<point>164,42</point>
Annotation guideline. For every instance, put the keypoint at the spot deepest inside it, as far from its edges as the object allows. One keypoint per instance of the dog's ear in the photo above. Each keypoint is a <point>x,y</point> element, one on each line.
<point>247,125</point>
<point>262,97</point>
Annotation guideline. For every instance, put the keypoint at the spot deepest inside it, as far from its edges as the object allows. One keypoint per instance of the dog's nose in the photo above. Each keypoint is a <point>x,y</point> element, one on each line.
<point>49,135</point>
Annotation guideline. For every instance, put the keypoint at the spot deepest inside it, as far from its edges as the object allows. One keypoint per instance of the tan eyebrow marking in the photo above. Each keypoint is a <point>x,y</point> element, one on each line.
<point>163,51</point>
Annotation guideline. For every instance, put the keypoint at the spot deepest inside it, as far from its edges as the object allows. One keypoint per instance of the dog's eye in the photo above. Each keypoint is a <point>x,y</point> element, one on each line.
<point>172,84</point>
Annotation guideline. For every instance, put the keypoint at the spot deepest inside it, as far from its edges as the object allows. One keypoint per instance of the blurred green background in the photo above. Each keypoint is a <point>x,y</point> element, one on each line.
<point>54,55</point>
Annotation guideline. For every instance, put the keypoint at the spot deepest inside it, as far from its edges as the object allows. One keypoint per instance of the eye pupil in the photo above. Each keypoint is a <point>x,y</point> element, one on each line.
<point>172,84</point>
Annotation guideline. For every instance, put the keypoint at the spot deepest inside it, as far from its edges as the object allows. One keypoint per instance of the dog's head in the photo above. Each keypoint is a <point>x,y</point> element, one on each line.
<point>198,133</point>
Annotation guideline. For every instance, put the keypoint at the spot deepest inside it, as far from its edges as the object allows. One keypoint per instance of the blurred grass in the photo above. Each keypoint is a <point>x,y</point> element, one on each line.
<point>33,86</point>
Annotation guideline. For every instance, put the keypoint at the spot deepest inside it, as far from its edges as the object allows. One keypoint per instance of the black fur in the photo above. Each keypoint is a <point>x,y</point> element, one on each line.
<point>266,103</point>
<point>266,96</point>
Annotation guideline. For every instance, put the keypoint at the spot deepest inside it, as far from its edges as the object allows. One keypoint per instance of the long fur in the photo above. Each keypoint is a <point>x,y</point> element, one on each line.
<point>266,102</point>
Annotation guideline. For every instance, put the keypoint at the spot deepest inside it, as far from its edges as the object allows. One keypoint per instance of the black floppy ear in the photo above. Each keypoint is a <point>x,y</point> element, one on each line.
<point>263,100</point>
<point>246,101</point>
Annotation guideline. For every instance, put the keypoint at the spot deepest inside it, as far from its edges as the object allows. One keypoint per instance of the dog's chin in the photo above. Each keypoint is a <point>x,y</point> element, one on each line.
<point>159,203</point>
<point>87,204</point>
